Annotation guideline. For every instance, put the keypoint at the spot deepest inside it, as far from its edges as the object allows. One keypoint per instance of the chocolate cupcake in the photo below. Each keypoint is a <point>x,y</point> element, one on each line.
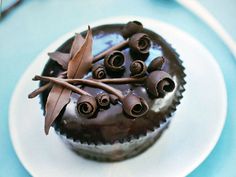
<point>110,91</point>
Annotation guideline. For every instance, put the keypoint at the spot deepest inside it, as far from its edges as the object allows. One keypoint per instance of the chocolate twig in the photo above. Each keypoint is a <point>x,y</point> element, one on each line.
<point>62,83</point>
<point>74,81</point>
<point>127,80</point>
<point>39,90</point>
<point>115,47</point>
<point>91,83</point>
<point>44,87</point>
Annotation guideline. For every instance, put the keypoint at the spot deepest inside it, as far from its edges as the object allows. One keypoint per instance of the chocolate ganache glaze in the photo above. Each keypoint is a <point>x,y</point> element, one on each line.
<point>116,117</point>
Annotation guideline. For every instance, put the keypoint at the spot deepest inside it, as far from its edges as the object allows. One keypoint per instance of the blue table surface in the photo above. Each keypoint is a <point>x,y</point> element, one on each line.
<point>35,24</point>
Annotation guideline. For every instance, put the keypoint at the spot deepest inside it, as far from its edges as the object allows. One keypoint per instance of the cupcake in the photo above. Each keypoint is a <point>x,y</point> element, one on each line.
<point>111,91</point>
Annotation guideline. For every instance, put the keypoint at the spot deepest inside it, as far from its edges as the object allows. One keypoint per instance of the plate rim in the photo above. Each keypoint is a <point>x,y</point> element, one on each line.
<point>56,43</point>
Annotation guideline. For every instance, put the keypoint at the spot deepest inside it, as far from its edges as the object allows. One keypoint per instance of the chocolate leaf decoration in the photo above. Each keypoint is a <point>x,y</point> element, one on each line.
<point>82,60</point>
<point>60,58</point>
<point>57,99</point>
<point>77,44</point>
<point>64,58</point>
<point>60,96</point>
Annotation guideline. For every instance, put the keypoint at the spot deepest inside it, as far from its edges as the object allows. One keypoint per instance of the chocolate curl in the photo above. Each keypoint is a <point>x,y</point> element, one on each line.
<point>86,106</point>
<point>134,106</point>
<point>159,83</point>
<point>131,28</point>
<point>114,99</point>
<point>156,64</point>
<point>140,43</point>
<point>114,61</point>
<point>138,68</point>
<point>103,99</point>
<point>99,71</point>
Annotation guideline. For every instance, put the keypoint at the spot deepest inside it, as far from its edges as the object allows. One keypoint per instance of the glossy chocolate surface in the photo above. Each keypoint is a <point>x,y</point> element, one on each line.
<point>112,124</point>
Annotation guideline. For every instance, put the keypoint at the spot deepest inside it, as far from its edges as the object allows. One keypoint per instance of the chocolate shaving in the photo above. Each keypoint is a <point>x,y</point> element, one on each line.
<point>86,106</point>
<point>135,106</point>
<point>140,43</point>
<point>159,83</point>
<point>131,28</point>
<point>81,62</point>
<point>114,62</point>
<point>103,99</point>
<point>60,96</point>
<point>156,64</point>
<point>99,71</point>
<point>138,68</point>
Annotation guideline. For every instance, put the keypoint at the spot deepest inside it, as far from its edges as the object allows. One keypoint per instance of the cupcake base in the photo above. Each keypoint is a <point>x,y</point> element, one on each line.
<point>117,151</point>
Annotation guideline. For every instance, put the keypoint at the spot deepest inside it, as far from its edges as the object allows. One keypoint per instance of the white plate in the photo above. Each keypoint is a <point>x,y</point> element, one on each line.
<point>192,134</point>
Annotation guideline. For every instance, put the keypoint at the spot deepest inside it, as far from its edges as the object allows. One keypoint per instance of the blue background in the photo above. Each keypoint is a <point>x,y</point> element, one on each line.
<point>37,23</point>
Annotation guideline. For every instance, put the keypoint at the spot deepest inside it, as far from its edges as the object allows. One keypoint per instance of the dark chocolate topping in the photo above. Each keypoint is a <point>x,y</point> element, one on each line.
<point>115,123</point>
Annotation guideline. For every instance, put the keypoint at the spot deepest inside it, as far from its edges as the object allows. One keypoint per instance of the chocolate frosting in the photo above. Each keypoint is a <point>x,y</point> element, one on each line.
<point>111,124</point>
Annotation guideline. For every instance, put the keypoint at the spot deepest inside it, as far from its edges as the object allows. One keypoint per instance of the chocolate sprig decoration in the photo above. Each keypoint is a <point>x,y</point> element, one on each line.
<point>114,61</point>
<point>62,83</point>
<point>59,95</point>
<point>135,108</point>
<point>131,28</point>
<point>62,59</point>
<point>128,80</point>
<point>98,71</point>
<point>86,106</point>
<point>159,83</point>
<point>103,99</point>
<point>138,68</point>
<point>139,43</point>
<point>156,64</point>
